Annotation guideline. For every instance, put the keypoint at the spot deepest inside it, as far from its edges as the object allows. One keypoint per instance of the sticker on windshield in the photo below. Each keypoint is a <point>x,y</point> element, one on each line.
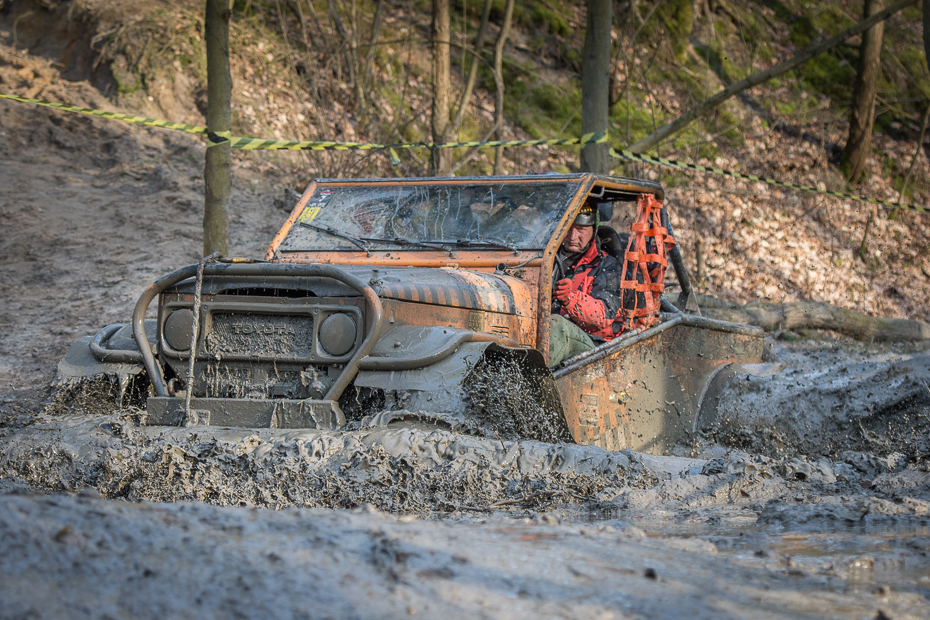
<point>308,214</point>
<point>312,209</point>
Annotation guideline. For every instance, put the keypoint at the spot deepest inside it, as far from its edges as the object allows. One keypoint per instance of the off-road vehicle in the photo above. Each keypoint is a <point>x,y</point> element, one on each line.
<point>427,301</point>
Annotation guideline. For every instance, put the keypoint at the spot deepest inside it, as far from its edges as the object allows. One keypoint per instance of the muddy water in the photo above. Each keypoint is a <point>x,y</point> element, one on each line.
<point>861,556</point>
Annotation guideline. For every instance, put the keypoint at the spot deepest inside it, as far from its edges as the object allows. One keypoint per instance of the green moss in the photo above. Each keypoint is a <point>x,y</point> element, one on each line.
<point>547,108</point>
<point>571,56</point>
<point>411,133</point>
<point>803,31</point>
<point>638,118</point>
<point>831,73</point>
<point>126,82</point>
<point>889,165</point>
<point>678,18</point>
<point>550,16</point>
<point>549,20</point>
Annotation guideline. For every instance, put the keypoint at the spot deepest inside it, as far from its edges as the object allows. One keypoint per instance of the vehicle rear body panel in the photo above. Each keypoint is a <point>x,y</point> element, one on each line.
<point>643,391</point>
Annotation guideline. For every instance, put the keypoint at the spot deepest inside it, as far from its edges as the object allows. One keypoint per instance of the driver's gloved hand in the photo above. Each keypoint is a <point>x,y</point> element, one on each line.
<point>563,291</point>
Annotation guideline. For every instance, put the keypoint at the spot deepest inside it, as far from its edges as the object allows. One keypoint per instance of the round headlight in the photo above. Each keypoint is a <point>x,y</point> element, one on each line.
<point>179,326</point>
<point>337,334</point>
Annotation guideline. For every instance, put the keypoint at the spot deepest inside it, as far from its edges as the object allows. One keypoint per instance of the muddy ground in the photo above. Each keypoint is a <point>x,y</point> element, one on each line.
<point>811,500</point>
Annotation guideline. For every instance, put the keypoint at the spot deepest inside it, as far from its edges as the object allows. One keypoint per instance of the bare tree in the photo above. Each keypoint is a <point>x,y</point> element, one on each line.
<point>473,68</point>
<point>499,84</point>
<point>217,172</point>
<point>927,33</point>
<point>595,84</point>
<point>441,159</point>
<point>862,112</point>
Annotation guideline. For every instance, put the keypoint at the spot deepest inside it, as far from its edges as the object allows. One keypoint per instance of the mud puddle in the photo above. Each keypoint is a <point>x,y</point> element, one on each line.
<point>861,556</point>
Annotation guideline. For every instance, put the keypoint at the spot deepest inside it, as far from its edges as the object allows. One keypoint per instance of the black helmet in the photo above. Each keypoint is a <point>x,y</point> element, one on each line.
<point>587,216</point>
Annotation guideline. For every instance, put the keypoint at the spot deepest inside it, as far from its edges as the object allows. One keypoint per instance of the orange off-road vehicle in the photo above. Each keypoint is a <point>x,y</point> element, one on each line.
<point>427,301</point>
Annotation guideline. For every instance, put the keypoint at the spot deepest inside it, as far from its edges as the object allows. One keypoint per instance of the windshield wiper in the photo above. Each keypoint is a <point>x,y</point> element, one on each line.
<point>400,241</point>
<point>469,243</point>
<point>332,231</point>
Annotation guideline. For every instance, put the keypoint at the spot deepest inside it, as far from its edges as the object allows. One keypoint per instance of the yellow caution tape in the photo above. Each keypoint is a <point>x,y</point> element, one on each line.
<point>662,161</point>
<point>138,120</point>
<point>253,144</point>
<point>600,137</point>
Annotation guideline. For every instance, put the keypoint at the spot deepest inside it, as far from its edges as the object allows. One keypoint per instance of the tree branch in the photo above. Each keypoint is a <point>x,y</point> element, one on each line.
<point>473,69</point>
<point>814,315</point>
<point>801,57</point>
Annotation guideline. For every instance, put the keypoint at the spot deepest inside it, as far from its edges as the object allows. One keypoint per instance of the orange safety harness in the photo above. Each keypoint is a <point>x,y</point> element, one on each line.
<point>643,276</point>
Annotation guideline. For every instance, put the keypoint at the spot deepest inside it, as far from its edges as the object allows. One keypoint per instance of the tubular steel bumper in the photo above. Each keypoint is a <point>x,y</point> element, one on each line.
<point>375,312</point>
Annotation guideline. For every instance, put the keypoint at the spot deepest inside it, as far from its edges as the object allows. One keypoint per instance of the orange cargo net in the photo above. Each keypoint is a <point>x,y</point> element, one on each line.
<point>643,275</point>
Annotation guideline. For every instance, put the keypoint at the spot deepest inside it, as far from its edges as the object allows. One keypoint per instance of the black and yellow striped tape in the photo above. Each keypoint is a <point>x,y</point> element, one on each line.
<point>251,144</point>
<point>600,137</point>
<point>671,163</point>
<point>254,144</point>
<point>138,120</point>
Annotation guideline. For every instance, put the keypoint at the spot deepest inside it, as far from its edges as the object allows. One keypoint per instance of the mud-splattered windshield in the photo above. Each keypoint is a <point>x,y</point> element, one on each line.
<point>425,217</point>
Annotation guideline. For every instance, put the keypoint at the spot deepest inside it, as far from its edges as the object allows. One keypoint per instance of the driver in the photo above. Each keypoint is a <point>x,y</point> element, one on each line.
<point>585,291</point>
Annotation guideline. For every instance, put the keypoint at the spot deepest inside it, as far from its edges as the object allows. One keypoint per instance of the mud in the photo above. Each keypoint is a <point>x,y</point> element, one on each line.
<point>404,470</point>
<point>811,500</point>
<point>834,401</point>
<point>84,556</point>
<point>429,521</point>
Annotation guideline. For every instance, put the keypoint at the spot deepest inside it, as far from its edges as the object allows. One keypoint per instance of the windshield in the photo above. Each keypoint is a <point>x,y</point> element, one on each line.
<point>429,217</point>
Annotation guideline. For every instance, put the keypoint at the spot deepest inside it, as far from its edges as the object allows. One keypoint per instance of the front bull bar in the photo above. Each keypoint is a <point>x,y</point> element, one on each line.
<point>375,311</point>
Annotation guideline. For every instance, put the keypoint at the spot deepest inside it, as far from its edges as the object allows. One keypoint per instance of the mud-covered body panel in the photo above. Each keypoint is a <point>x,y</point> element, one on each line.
<point>644,392</point>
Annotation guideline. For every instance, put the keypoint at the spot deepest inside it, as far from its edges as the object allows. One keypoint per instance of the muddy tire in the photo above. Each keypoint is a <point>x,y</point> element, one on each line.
<point>512,395</point>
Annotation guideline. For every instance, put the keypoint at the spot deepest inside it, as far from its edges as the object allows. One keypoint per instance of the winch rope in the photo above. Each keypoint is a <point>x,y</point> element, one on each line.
<point>195,330</point>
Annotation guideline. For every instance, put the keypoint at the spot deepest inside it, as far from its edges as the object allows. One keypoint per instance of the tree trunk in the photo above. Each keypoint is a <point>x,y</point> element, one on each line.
<point>708,105</point>
<point>473,68</point>
<point>441,159</point>
<point>813,315</point>
<point>862,113</point>
<point>217,171</point>
<point>499,86</point>
<point>595,84</point>
<point>927,33</point>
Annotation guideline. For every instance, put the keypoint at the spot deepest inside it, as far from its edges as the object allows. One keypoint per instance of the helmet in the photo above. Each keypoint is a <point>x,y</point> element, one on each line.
<point>587,216</point>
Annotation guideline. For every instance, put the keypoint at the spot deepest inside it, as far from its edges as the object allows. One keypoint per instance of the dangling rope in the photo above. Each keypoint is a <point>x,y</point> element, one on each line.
<point>644,265</point>
<point>195,332</point>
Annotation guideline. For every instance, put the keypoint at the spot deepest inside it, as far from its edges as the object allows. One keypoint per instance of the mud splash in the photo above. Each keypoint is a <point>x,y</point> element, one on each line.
<point>520,526</point>
<point>402,470</point>
<point>832,402</point>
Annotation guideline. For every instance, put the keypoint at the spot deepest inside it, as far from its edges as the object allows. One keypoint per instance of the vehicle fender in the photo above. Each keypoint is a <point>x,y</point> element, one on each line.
<point>112,352</point>
<point>407,347</point>
<point>435,387</point>
<point>474,382</point>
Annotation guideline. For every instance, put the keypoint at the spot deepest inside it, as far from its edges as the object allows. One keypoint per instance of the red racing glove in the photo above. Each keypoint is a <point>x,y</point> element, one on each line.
<point>587,312</point>
<point>563,290</point>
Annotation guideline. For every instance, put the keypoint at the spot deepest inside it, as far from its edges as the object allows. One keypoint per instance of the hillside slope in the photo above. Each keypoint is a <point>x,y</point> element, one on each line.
<point>298,74</point>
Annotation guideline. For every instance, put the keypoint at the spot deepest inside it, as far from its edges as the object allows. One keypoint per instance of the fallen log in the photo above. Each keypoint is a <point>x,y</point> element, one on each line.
<point>813,315</point>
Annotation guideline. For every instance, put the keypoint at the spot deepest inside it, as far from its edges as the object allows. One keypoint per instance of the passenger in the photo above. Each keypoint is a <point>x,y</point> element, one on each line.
<point>585,291</point>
